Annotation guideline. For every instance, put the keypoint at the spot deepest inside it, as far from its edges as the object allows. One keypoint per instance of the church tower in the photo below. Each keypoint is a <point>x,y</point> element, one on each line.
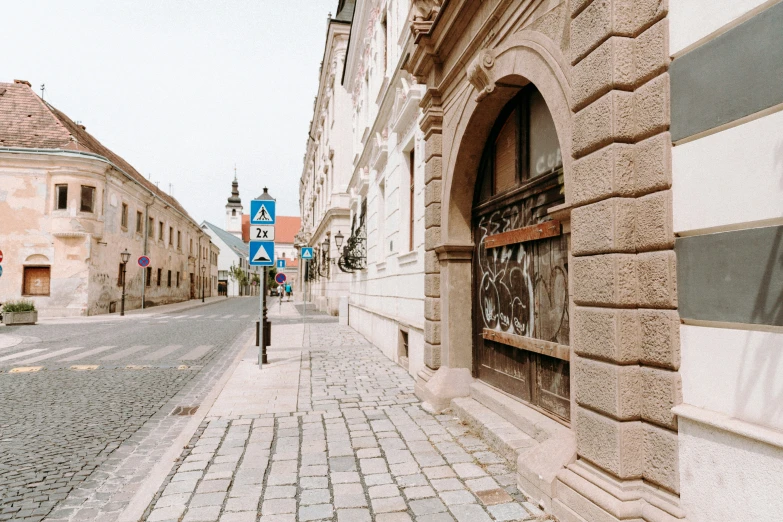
<point>234,210</point>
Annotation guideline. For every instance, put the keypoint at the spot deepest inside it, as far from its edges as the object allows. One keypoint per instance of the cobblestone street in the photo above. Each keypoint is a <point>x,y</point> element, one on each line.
<point>87,404</point>
<point>357,447</point>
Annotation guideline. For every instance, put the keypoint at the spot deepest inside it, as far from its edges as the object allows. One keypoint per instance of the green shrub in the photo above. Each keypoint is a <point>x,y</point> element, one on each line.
<point>19,306</point>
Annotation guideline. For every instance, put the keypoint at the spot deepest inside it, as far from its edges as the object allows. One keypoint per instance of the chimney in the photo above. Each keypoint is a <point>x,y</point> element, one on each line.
<point>24,82</point>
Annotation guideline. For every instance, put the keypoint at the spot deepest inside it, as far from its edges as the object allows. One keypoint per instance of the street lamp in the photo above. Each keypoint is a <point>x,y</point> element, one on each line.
<point>203,269</point>
<point>124,257</point>
<point>338,240</point>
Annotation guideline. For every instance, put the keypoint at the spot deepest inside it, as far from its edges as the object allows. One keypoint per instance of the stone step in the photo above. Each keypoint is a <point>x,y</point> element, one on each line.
<point>504,437</point>
<point>534,424</point>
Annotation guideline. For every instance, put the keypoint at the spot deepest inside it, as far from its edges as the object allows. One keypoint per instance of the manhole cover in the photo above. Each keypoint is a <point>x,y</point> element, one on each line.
<point>184,410</point>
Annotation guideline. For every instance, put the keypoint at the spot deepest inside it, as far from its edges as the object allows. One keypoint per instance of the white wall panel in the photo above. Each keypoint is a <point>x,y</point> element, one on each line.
<point>692,20</point>
<point>733,176</point>
<point>735,372</point>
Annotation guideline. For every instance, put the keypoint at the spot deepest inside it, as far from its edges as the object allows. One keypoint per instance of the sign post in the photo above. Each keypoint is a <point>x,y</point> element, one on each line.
<point>262,253</point>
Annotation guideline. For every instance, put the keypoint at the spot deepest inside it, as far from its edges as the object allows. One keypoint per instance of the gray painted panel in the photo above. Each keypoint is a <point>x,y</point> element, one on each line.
<point>736,74</point>
<point>733,277</point>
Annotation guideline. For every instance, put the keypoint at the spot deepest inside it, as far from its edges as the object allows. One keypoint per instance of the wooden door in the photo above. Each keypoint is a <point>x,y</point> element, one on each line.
<point>521,296</point>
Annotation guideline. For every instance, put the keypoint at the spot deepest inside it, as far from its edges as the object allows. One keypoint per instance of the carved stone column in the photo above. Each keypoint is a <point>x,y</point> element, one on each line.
<point>625,330</point>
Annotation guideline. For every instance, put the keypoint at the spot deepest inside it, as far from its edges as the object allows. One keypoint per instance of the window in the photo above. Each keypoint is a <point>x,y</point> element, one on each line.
<point>88,199</point>
<point>525,145</point>
<point>233,212</point>
<point>149,276</point>
<point>177,279</point>
<point>61,197</point>
<point>381,218</point>
<point>139,219</point>
<point>384,38</point>
<point>124,217</point>
<point>151,228</point>
<point>160,230</point>
<point>168,280</point>
<point>412,170</point>
<point>160,275</point>
<point>191,245</point>
<point>36,280</point>
<point>179,240</point>
<point>171,236</point>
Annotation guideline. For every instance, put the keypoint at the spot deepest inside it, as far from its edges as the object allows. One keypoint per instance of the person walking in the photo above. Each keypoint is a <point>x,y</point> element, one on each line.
<point>288,290</point>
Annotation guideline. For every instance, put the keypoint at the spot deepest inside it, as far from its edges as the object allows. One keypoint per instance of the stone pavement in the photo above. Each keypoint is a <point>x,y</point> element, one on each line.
<point>353,445</point>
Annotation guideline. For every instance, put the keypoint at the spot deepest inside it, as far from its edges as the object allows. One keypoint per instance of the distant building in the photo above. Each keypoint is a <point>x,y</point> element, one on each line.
<point>324,200</point>
<point>69,206</point>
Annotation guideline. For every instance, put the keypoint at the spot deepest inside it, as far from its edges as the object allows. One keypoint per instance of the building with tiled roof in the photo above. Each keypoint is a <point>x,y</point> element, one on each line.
<point>69,206</point>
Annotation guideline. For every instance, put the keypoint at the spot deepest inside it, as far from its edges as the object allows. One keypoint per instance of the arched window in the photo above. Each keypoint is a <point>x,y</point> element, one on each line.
<point>523,146</point>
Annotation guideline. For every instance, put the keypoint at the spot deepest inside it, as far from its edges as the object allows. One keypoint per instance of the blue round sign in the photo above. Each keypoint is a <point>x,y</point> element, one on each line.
<point>1,270</point>
<point>144,261</point>
<point>280,278</point>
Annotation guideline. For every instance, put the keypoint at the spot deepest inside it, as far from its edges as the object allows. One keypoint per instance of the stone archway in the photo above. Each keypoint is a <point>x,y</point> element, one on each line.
<point>495,77</point>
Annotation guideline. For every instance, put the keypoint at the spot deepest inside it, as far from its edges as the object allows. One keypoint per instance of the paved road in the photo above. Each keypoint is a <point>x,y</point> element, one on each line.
<point>71,394</point>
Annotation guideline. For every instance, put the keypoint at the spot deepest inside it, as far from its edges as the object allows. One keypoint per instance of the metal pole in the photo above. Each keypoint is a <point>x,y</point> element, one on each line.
<point>262,359</point>
<point>202,286</point>
<point>122,304</point>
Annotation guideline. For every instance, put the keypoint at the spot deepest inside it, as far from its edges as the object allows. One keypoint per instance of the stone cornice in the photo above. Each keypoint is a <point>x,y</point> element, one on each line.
<point>455,252</point>
<point>328,216</point>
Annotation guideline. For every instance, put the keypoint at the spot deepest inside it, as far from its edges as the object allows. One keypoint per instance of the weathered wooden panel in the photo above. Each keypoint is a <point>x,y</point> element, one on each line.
<point>521,235</point>
<point>558,351</point>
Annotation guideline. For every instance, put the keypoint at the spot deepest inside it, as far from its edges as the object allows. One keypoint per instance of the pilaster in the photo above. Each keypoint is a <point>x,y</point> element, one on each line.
<point>625,328</point>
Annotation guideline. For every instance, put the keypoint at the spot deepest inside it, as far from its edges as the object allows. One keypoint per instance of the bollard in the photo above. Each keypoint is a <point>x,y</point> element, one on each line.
<point>267,338</point>
<point>258,333</point>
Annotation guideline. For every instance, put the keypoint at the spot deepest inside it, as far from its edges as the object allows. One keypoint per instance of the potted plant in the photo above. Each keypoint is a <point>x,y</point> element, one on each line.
<point>19,312</point>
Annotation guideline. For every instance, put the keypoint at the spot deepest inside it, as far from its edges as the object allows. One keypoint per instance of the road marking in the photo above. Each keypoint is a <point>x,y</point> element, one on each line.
<point>87,353</point>
<point>123,353</point>
<point>163,352</point>
<point>51,354</point>
<point>211,316</point>
<point>229,316</point>
<point>243,316</point>
<point>197,353</point>
<point>26,369</point>
<point>192,316</point>
<point>21,354</point>
<point>80,367</point>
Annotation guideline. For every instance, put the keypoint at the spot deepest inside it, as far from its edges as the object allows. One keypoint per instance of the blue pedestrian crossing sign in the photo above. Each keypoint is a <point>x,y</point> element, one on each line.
<point>262,212</point>
<point>307,253</point>
<point>262,253</point>
<point>280,264</point>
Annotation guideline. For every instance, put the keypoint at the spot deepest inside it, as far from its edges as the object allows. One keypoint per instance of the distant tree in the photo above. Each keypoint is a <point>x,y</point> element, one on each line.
<point>238,275</point>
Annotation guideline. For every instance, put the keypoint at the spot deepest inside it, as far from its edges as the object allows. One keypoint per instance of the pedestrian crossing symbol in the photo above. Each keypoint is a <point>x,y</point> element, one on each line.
<point>262,253</point>
<point>262,212</point>
<point>307,253</point>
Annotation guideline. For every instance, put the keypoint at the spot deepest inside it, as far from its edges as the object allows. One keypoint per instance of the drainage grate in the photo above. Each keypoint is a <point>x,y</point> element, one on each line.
<point>184,410</point>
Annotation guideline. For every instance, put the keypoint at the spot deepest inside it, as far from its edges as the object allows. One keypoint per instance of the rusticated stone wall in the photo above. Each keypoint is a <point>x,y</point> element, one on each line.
<point>625,328</point>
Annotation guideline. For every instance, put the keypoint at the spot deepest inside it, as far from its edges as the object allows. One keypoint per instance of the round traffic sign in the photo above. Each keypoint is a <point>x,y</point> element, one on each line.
<point>1,256</point>
<point>280,278</point>
<point>144,261</point>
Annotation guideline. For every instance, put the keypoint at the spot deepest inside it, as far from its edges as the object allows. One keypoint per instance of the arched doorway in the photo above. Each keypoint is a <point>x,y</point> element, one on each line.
<point>520,262</point>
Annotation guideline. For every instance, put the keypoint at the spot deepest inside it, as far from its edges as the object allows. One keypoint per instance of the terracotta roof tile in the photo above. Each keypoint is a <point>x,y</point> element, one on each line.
<point>26,121</point>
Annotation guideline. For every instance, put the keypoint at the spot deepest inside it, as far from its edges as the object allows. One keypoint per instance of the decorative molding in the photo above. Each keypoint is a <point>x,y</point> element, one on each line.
<point>424,14</point>
<point>432,119</point>
<point>455,251</point>
<point>480,74</point>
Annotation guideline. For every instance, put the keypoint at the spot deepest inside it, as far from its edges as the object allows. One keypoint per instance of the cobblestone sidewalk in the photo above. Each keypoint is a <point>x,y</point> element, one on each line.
<point>359,447</point>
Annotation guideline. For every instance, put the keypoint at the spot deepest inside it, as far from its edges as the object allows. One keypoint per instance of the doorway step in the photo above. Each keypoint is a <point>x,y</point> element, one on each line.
<point>539,447</point>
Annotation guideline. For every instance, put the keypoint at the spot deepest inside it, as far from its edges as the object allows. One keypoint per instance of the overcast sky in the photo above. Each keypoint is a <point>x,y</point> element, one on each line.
<point>181,89</point>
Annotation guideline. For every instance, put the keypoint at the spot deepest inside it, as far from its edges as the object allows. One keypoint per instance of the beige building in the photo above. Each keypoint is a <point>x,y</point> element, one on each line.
<point>69,206</point>
<point>601,220</point>
<point>323,187</point>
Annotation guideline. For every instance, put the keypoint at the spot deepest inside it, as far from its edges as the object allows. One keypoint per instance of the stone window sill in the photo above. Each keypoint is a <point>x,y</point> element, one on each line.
<point>408,258</point>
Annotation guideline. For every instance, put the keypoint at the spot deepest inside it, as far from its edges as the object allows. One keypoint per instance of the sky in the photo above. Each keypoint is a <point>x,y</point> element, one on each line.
<point>182,90</point>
